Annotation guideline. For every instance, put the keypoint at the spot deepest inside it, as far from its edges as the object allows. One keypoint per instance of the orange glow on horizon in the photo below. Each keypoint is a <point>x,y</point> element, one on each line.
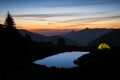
<point>34,26</point>
<point>60,28</point>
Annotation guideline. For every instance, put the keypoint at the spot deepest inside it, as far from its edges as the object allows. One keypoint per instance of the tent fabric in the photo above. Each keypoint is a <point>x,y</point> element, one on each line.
<point>103,46</point>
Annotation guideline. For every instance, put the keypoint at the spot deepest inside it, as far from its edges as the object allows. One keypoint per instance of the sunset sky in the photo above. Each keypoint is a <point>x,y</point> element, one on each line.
<point>61,15</point>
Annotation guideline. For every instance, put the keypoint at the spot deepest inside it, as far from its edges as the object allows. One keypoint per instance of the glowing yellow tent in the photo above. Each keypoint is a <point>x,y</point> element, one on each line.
<point>103,46</point>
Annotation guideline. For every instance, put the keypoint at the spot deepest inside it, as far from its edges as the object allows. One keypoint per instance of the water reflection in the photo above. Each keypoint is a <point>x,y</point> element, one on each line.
<point>61,60</point>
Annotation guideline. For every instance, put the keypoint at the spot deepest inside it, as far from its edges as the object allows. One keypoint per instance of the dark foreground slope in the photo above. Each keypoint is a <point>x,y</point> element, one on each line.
<point>100,64</point>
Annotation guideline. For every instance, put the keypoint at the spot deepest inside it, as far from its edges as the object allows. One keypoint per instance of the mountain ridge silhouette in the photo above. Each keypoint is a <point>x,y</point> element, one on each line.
<point>85,36</point>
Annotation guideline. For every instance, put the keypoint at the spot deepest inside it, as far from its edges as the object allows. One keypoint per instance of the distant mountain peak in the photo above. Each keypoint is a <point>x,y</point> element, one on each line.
<point>72,31</point>
<point>39,37</point>
<point>85,36</point>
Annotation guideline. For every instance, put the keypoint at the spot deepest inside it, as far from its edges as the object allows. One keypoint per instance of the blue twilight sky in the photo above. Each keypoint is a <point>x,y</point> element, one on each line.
<point>62,14</point>
<point>47,6</point>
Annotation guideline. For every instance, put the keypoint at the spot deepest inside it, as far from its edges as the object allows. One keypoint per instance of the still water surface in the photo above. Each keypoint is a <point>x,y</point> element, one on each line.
<point>61,60</point>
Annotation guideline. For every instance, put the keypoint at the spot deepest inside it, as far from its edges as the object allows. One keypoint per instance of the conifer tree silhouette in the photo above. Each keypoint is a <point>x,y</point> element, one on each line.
<point>9,22</point>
